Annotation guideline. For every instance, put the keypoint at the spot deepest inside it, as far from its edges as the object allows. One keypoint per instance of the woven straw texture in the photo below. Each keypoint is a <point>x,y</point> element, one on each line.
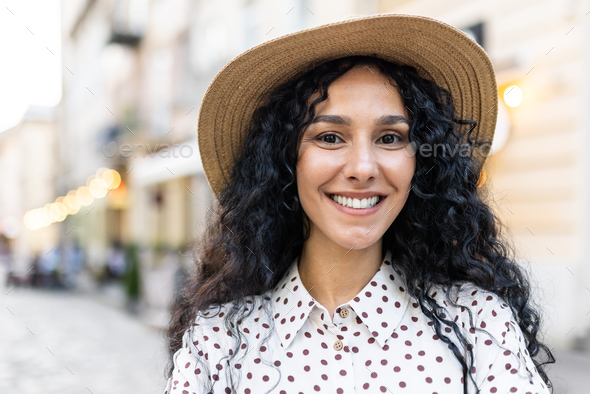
<point>440,52</point>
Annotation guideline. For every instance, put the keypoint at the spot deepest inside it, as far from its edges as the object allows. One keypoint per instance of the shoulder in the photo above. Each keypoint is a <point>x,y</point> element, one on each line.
<point>468,294</point>
<point>473,306</point>
<point>485,318</point>
<point>211,337</point>
<point>220,325</point>
<point>491,328</point>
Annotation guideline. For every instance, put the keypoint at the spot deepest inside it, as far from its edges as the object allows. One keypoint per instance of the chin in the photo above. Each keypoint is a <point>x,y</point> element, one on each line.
<point>356,242</point>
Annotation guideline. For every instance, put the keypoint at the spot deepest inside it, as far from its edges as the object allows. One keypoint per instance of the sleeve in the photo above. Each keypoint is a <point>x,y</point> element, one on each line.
<point>191,373</point>
<point>503,363</point>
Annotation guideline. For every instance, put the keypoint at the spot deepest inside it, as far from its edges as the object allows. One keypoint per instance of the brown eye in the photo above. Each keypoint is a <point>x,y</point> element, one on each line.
<point>391,139</point>
<point>329,138</point>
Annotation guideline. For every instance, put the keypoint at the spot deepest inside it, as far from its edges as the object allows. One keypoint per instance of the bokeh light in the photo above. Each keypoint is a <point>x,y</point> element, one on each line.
<point>105,181</point>
<point>119,193</point>
<point>98,188</point>
<point>71,203</point>
<point>513,96</point>
<point>84,196</point>
<point>112,179</point>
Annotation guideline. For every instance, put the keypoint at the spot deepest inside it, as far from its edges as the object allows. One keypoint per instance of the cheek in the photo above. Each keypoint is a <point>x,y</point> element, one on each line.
<point>313,170</point>
<point>401,171</point>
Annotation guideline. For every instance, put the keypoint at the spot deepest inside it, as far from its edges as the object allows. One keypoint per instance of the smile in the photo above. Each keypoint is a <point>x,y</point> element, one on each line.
<point>356,203</point>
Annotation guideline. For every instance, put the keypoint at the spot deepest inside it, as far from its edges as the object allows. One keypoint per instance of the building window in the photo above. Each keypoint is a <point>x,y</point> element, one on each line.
<point>476,32</point>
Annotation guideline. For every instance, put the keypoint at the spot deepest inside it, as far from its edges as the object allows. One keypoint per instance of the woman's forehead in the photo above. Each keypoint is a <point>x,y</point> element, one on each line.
<point>362,91</point>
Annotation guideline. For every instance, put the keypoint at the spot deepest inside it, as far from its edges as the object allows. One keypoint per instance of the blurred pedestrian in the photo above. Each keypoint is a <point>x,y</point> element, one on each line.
<point>36,274</point>
<point>49,267</point>
<point>116,264</point>
<point>72,263</point>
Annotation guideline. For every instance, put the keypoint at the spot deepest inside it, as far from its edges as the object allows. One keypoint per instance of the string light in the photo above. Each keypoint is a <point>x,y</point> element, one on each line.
<point>97,186</point>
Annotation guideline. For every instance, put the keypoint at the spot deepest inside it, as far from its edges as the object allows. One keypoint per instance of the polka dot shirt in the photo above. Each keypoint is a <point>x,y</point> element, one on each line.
<point>378,342</point>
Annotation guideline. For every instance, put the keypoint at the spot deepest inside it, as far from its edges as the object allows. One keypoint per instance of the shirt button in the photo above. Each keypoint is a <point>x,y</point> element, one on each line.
<point>344,312</point>
<point>338,345</point>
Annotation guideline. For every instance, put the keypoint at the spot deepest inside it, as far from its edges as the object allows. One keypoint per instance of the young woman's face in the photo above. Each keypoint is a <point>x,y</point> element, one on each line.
<point>355,149</point>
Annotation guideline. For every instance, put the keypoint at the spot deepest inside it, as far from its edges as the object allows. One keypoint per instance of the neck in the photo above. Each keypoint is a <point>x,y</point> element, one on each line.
<point>334,275</point>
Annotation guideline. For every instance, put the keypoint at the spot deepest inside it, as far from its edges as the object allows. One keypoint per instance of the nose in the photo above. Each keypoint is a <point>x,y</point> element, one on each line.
<point>361,165</point>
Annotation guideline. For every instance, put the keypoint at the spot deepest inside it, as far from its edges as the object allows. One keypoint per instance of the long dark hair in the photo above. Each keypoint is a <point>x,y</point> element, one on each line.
<point>445,234</point>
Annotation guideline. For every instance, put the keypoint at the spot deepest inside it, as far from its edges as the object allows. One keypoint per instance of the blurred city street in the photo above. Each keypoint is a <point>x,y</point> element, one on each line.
<point>104,195</point>
<point>56,341</point>
<point>569,374</point>
<point>68,342</point>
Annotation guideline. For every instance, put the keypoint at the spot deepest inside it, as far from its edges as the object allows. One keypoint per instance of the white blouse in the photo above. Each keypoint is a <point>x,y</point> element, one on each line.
<point>380,341</point>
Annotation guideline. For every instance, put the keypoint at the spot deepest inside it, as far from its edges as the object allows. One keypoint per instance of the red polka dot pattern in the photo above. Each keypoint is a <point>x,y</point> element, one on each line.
<point>384,344</point>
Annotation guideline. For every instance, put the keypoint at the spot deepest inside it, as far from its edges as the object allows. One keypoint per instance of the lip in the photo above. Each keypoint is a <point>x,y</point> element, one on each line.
<point>359,195</point>
<point>356,211</point>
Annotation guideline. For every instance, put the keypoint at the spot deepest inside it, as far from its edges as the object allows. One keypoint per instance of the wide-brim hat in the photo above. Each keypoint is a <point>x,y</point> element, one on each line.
<point>440,53</point>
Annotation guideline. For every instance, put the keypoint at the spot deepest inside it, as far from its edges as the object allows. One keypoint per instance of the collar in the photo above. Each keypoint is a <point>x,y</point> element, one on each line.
<point>384,295</point>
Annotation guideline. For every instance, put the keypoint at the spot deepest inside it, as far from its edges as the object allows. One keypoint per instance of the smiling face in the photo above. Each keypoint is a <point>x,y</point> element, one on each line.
<point>355,149</point>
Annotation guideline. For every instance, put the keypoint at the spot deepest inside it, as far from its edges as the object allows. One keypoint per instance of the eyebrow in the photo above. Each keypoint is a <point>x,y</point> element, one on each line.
<point>334,119</point>
<point>344,120</point>
<point>391,120</point>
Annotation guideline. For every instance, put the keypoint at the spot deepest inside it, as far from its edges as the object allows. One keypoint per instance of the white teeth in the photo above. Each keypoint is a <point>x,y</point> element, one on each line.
<point>355,202</point>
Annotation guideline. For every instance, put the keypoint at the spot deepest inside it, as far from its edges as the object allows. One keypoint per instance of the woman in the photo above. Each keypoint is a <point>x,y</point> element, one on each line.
<point>352,250</point>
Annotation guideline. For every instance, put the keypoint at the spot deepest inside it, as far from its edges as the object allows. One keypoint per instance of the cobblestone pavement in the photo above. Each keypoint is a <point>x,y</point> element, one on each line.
<point>69,343</point>
<point>571,372</point>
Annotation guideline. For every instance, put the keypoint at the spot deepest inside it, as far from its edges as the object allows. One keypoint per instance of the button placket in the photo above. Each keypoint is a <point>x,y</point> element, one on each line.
<point>343,357</point>
<point>342,365</point>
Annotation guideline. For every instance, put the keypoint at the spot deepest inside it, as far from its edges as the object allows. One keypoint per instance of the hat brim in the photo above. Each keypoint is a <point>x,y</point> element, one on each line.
<point>440,53</point>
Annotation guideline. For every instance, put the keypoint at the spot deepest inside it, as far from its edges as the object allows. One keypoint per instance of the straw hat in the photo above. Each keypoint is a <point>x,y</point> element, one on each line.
<point>440,53</point>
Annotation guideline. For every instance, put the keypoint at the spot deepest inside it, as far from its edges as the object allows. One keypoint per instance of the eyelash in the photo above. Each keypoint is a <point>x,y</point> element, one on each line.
<point>319,137</point>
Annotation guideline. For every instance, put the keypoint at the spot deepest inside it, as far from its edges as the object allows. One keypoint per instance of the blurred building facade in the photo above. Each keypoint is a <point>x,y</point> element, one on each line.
<point>540,178</point>
<point>28,164</point>
<point>135,72</point>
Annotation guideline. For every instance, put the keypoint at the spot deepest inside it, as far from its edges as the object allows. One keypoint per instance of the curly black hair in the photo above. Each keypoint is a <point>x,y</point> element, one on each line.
<point>445,234</point>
